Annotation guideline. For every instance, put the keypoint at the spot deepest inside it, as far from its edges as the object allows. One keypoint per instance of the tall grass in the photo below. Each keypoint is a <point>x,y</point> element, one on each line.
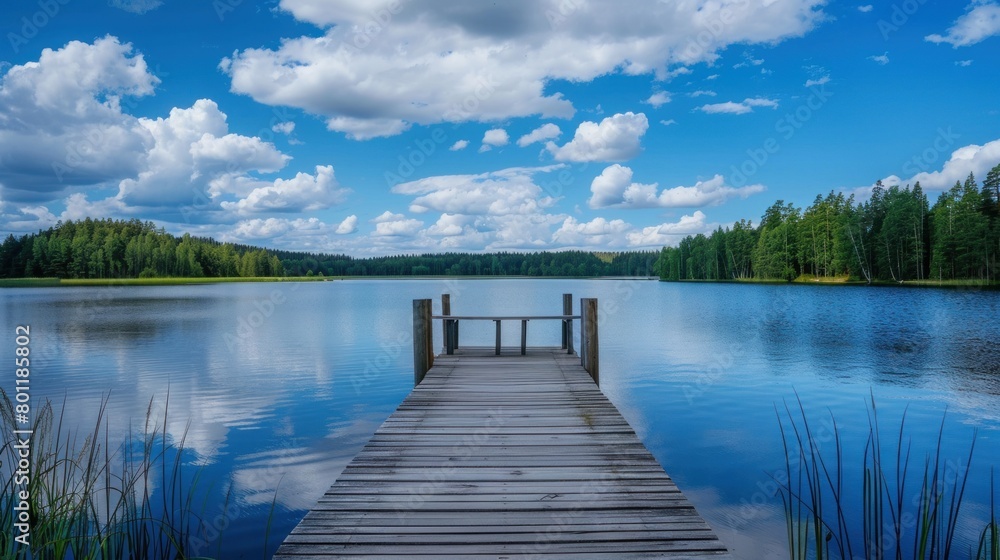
<point>91,498</point>
<point>989,539</point>
<point>906,508</point>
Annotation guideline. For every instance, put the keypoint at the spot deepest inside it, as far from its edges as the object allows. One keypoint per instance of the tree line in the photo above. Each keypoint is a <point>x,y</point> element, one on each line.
<point>561,263</point>
<point>894,236</point>
<point>127,249</point>
<point>135,249</point>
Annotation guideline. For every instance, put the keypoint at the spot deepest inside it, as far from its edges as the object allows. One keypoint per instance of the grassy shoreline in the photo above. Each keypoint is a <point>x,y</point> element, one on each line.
<point>801,280</point>
<point>69,282</point>
<point>844,281</point>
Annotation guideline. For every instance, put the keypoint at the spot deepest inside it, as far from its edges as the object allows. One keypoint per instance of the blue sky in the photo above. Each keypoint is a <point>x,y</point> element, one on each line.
<point>370,127</point>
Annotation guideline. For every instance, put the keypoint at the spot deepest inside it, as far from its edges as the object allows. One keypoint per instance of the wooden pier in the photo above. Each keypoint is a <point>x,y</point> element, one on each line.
<point>512,456</point>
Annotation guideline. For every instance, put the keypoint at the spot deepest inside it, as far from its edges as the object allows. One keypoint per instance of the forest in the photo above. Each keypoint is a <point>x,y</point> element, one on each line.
<point>893,237</point>
<point>561,263</point>
<point>135,249</point>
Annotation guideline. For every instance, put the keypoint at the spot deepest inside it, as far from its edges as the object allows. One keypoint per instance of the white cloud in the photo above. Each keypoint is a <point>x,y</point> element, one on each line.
<point>26,219</point>
<point>508,191</point>
<point>451,225</point>
<point>366,129</point>
<point>963,63</point>
<point>741,108</point>
<point>496,137</point>
<point>349,225</point>
<point>547,131</point>
<point>673,73</point>
<point>286,127</point>
<point>712,77</point>
<point>192,154</point>
<point>387,216</point>
<point>293,234</point>
<point>499,60</point>
<point>136,6</point>
<point>214,155</point>
<point>818,82</point>
<point>61,120</point>
<point>396,225</point>
<point>980,22</point>
<point>506,210</point>
<point>79,207</point>
<point>269,228</point>
<point>459,145</point>
<point>671,233</point>
<point>297,234</point>
<point>614,188</point>
<point>668,122</point>
<point>302,193</point>
<point>882,59</point>
<point>866,8</point>
<point>702,92</point>
<point>72,133</point>
<point>616,138</point>
<point>474,236</point>
<point>529,231</point>
<point>749,60</point>
<point>704,193</point>
<point>659,99</point>
<point>609,188</point>
<point>492,233</point>
<point>973,158</point>
<point>598,232</point>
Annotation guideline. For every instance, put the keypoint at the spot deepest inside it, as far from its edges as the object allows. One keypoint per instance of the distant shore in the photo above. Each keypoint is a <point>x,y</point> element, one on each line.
<point>845,281</point>
<point>802,280</point>
<point>78,282</point>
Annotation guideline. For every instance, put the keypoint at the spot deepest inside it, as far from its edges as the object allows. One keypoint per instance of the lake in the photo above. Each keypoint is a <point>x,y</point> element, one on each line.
<point>279,385</point>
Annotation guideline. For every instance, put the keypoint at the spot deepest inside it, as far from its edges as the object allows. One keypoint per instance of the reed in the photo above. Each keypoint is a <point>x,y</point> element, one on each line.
<point>905,511</point>
<point>989,539</point>
<point>92,498</point>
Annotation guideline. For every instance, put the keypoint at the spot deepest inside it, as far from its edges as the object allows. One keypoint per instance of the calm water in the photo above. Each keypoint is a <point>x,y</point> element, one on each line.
<point>280,385</point>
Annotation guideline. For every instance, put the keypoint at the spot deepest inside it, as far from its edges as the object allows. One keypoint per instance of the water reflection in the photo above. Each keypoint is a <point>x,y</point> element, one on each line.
<point>276,387</point>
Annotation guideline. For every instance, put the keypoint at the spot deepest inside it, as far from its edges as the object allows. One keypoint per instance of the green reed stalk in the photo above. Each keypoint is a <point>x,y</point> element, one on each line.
<point>891,526</point>
<point>92,500</point>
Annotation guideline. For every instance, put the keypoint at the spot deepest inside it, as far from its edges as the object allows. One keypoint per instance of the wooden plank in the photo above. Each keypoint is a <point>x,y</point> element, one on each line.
<point>504,457</point>
<point>341,529</point>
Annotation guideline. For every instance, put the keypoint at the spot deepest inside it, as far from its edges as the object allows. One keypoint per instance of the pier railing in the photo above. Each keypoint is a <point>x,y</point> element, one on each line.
<point>423,332</point>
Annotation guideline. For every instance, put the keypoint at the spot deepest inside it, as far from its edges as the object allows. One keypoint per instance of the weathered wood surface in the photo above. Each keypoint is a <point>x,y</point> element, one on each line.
<point>504,457</point>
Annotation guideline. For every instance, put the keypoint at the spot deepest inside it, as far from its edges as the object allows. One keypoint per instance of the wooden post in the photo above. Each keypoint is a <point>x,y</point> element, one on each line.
<point>524,336</point>
<point>423,339</point>
<point>583,338</point>
<point>497,321</point>
<point>453,333</point>
<point>429,325</point>
<point>567,310</point>
<point>446,332</point>
<point>590,344</point>
<point>569,336</point>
